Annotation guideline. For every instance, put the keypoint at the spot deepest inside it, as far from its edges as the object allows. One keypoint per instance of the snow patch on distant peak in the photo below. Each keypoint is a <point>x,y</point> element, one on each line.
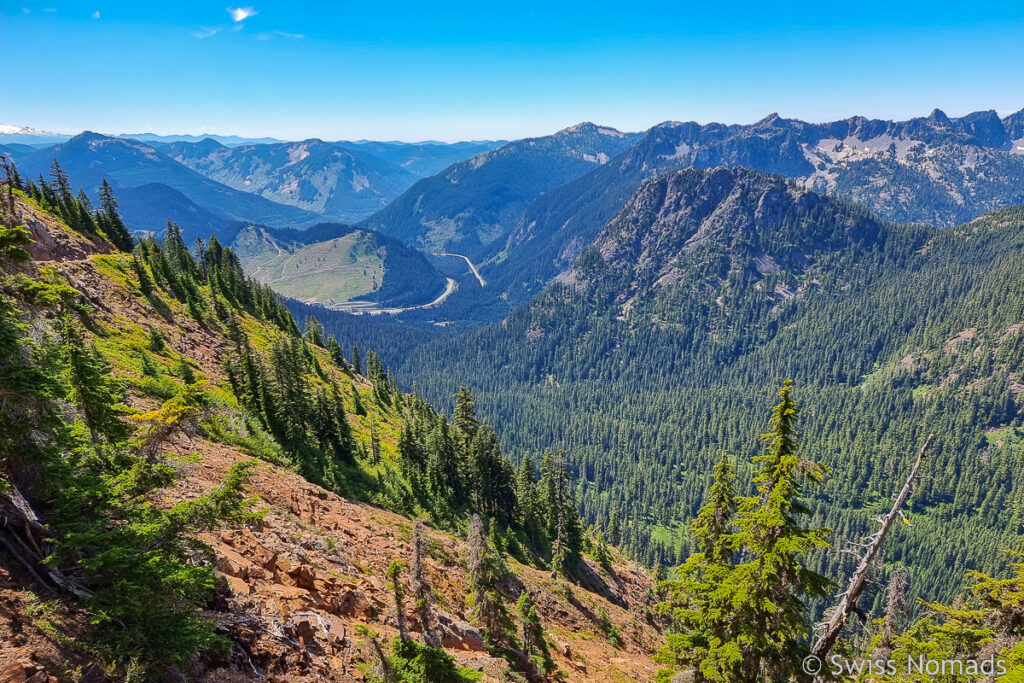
<point>7,129</point>
<point>852,148</point>
<point>682,151</point>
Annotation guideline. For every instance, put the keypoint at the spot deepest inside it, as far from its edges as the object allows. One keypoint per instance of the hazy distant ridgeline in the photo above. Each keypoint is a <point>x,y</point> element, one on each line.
<point>214,184</point>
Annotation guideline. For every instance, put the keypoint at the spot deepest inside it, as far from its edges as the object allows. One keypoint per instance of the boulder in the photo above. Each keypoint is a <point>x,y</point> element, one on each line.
<point>352,603</point>
<point>457,634</point>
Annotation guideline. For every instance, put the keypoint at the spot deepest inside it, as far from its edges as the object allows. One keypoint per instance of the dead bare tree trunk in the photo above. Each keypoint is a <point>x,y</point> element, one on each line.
<point>9,181</point>
<point>836,616</point>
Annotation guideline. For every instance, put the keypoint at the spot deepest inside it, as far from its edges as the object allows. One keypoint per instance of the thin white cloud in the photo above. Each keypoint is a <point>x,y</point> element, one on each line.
<point>205,32</point>
<point>278,34</point>
<point>96,14</point>
<point>26,10</point>
<point>241,13</point>
<point>49,9</point>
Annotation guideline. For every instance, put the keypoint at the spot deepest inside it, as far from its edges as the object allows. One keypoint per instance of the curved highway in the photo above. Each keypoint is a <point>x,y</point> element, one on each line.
<point>466,259</point>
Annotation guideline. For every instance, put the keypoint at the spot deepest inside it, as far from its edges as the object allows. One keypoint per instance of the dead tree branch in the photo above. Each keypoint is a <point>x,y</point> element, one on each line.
<point>858,582</point>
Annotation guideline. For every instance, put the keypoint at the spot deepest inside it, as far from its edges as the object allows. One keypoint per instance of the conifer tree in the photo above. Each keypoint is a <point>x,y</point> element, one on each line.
<point>148,367</point>
<point>83,201</point>
<point>334,348</point>
<point>464,416</point>
<point>183,369</point>
<point>775,579</point>
<point>563,519</point>
<point>421,590</point>
<point>26,389</point>
<point>91,389</point>
<point>357,402</point>
<point>711,528</point>
<point>62,184</point>
<point>356,361</point>
<point>533,642</point>
<point>744,621</point>
<point>156,341</point>
<point>374,443</point>
<point>527,503</point>
<point>145,282</point>
<point>394,574</point>
<point>113,225</point>
<point>488,607</point>
<point>314,331</point>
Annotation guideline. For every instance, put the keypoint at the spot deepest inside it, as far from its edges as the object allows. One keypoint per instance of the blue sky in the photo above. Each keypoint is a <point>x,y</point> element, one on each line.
<point>472,70</point>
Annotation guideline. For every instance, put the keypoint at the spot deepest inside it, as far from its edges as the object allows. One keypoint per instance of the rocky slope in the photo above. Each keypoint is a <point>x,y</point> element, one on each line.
<point>731,220</point>
<point>933,169</point>
<point>295,587</point>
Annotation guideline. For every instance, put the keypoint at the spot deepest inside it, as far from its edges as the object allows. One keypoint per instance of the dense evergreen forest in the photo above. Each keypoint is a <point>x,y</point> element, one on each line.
<point>646,374</point>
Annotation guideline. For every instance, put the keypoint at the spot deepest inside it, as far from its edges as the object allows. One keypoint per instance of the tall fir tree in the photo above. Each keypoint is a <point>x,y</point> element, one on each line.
<point>112,223</point>
<point>740,605</point>
<point>489,610</point>
<point>90,387</point>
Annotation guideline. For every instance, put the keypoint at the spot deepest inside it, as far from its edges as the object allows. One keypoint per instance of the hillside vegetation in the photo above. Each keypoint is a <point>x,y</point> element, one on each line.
<point>330,264</point>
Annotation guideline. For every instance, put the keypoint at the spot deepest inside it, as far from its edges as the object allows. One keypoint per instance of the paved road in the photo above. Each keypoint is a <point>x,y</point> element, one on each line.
<point>471,266</point>
<point>371,308</point>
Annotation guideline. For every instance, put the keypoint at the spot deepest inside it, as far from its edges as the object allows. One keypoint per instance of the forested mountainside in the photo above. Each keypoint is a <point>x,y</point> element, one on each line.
<point>471,206</point>
<point>336,182</point>
<point>331,263</point>
<point>154,188</point>
<point>663,345</point>
<point>193,489</point>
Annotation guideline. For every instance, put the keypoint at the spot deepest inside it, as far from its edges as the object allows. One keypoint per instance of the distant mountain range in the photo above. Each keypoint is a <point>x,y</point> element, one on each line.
<point>472,205</point>
<point>933,170</point>
<point>203,183</point>
<point>332,181</point>
<point>152,187</point>
<point>423,159</point>
<point>36,137</point>
<point>226,140</point>
<point>523,210</point>
<point>24,135</point>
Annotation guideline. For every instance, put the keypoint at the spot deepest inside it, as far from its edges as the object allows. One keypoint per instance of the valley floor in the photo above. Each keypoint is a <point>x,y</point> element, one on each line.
<point>372,308</point>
